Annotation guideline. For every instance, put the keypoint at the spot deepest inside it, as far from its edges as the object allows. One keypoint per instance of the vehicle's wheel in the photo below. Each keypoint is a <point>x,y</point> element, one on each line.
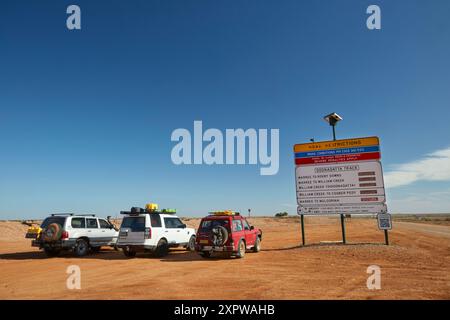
<point>191,244</point>
<point>128,252</point>
<point>205,254</point>
<point>162,248</point>
<point>241,249</point>
<point>52,232</point>
<point>219,235</point>
<point>81,248</point>
<point>257,246</point>
<point>51,252</point>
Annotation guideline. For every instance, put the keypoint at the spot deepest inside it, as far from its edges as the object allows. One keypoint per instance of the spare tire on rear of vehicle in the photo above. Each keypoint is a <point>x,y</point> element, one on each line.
<point>53,232</point>
<point>219,235</point>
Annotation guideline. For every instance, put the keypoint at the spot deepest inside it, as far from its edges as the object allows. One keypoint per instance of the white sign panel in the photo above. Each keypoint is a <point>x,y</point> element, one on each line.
<point>353,209</point>
<point>384,221</point>
<point>357,185</point>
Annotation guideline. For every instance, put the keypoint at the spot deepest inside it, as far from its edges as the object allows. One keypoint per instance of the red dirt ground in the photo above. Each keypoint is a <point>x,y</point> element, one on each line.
<point>415,266</point>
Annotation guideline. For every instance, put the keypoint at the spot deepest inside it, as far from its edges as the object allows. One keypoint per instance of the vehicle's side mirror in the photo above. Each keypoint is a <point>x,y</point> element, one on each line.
<point>183,226</point>
<point>252,228</point>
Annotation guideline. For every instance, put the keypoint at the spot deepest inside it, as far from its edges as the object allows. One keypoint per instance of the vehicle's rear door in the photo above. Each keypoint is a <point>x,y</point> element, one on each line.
<point>204,229</point>
<point>250,235</point>
<point>238,231</point>
<point>92,231</point>
<point>132,230</point>
<point>77,227</point>
<point>157,230</point>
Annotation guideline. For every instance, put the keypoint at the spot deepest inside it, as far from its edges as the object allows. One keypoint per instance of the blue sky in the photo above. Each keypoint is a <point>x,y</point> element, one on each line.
<point>86,116</point>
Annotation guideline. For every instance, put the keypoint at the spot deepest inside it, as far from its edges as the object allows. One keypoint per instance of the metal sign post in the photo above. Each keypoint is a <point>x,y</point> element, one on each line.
<point>343,228</point>
<point>303,228</point>
<point>333,119</point>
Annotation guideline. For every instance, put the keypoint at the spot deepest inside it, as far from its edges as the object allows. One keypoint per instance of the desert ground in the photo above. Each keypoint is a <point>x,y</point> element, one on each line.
<point>415,266</point>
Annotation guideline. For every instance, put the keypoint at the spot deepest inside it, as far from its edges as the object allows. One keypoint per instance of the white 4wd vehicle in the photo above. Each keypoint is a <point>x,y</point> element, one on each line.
<point>80,233</point>
<point>153,231</point>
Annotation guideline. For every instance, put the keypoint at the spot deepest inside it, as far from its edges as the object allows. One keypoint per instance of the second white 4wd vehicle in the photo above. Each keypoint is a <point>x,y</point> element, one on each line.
<point>150,230</point>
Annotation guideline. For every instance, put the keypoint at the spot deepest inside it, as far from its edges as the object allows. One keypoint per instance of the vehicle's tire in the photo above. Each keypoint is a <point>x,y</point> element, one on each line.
<point>162,248</point>
<point>81,248</point>
<point>52,232</point>
<point>191,244</point>
<point>128,252</point>
<point>205,254</point>
<point>219,235</point>
<point>257,246</point>
<point>52,252</point>
<point>241,249</point>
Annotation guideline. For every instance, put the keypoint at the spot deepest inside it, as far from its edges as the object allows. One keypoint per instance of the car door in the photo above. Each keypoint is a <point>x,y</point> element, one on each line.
<point>183,235</point>
<point>175,230</point>
<point>78,227</point>
<point>132,230</point>
<point>92,231</point>
<point>169,230</point>
<point>106,231</point>
<point>238,231</point>
<point>157,230</point>
<point>250,235</point>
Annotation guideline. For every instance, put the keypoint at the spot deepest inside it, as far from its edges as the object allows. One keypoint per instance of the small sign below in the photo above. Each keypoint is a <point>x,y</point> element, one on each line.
<point>347,209</point>
<point>384,221</point>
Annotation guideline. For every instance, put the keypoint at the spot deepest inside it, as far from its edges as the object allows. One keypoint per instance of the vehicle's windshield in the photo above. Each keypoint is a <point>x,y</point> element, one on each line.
<point>135,224</point>
<point>207,225</point>
<point>50,220</point>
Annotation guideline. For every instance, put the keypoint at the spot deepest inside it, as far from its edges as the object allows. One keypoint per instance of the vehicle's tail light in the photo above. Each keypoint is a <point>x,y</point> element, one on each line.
<point>148,233</point>
<point>64,235</point>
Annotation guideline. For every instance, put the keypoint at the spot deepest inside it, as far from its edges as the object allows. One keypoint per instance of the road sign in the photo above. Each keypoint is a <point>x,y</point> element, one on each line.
<point>384,221</point>
<point>347,150</point>
<point>336,144</point>
<point>350,209</point>
<point>340,184</point>
<point>341,176</point>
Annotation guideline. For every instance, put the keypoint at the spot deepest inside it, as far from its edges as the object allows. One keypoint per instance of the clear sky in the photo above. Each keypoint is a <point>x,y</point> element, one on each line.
<point>86,116</point>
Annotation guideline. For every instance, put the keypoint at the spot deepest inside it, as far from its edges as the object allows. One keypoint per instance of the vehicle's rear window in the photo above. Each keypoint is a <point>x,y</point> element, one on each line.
<point>135,224</point>
<point>237,225</point>
<point>78,223</point>
<point>155,220</point>
<point>50,220</point>
<point>92,223</point>
<point>207,225</point>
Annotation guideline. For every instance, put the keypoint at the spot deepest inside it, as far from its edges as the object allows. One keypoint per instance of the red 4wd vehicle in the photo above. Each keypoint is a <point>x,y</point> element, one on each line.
<point>227,232</point>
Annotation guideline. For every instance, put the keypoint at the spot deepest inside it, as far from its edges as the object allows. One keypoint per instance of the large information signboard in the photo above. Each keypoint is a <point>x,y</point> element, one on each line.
<point>342,176</point>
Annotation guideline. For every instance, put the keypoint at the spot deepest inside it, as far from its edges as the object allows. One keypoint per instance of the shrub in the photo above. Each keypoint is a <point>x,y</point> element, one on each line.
<point>281,214</point>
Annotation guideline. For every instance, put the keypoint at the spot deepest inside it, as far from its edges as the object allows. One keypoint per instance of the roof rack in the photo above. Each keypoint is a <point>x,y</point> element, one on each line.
<point>73,214</point>
<point>224,213</point>
<point>136,211</point>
